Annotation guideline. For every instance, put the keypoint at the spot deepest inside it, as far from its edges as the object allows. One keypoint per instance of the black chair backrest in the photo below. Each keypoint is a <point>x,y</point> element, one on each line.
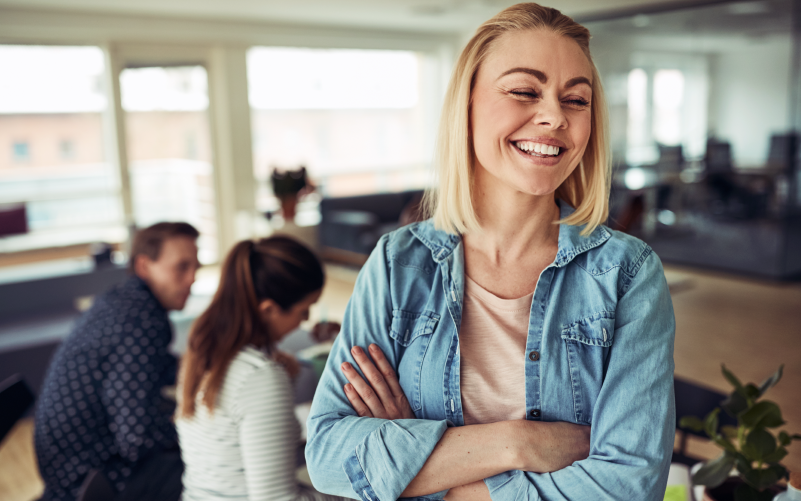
<point>718,157</point>
<point>781,155</point>
<point>694,400</point>
<point>15,399</point>
<point>671,158</point>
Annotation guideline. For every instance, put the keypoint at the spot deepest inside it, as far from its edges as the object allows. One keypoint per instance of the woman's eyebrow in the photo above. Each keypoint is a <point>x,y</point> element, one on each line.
<point>578,80</point>
<point>537,73</point>
<point>542,77</point>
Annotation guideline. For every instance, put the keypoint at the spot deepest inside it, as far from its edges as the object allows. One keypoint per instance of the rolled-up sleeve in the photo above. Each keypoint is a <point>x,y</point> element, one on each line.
<point>365,458</point>
<point>634,420</point>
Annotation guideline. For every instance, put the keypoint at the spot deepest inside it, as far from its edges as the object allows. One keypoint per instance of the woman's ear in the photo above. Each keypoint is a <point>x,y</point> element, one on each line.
<point>268,308</point>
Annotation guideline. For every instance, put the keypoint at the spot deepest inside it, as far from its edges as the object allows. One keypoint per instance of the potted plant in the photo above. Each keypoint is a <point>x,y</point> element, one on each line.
<point>288,187</point>
<point>750,447</point>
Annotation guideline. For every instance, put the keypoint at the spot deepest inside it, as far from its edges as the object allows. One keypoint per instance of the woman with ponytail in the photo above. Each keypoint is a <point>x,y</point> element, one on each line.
<point>235,420</point>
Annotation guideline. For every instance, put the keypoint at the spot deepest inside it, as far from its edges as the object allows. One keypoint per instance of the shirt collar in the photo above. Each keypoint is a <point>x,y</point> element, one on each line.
<point>571,241</point>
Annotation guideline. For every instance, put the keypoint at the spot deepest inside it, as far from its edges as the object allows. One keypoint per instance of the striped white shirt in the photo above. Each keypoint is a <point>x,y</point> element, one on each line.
<point>247,448</point>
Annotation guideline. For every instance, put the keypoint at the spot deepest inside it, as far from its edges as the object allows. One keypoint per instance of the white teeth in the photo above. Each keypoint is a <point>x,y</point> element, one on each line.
<point>539,148</point>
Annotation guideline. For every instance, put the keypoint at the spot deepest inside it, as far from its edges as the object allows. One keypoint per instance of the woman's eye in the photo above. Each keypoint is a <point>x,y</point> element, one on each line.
<point>578,102</point>
<point>524,94</point>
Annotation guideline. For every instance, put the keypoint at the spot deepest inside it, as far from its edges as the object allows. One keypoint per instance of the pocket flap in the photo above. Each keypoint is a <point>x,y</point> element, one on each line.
<point>407,325</point>
<point>595,330</point>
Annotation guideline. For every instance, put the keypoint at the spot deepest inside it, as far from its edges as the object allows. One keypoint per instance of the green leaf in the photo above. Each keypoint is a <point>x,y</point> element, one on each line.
<point>729,431</point>
<point>724,443</point>
<point>771,381</point>
<point>711,423</point>
<point>765,414</point>
<point>761,479</point>
<point>691,423</point>
<point>731,378</point>
<point>743,463</point>
<point>714,472</point>
<point>735,404</point>
<point>776,456</point>
<point>758,444</point>
<point>751,391</point>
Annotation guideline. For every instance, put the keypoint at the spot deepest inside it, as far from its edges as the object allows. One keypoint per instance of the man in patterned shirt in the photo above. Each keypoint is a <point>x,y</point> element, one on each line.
<point>101,408</point>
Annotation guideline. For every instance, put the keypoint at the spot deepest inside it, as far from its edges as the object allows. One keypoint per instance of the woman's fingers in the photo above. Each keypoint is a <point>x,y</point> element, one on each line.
<point>358,404</point>
<point>383,365</point>
<point>386,370</point>
<point>365,391</point>
<point>377,382</point>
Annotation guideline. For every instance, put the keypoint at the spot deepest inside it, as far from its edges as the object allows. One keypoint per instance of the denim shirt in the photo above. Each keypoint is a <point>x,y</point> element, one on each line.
<point>601,325</point>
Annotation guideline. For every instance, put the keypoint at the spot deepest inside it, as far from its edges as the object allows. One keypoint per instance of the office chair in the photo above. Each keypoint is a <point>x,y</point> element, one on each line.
<point>782,152</point>
<point>15,400</point>
<point>693,400</point>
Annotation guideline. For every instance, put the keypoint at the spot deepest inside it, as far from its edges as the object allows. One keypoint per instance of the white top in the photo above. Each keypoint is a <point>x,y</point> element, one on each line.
<point>247,448</point>
<point>492,351</point>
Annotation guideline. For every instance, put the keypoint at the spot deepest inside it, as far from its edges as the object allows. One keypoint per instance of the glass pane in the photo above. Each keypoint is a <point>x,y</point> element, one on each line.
<point>56,187</point>
<point>358,120</point>
<point>169,149</point>
<point>704,116</point>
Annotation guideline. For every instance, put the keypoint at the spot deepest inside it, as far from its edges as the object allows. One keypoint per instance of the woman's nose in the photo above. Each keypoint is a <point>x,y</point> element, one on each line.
<point>549,114</point>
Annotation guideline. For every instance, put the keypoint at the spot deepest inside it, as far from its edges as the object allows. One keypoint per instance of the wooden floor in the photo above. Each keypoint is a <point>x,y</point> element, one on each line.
<point>750,325</point>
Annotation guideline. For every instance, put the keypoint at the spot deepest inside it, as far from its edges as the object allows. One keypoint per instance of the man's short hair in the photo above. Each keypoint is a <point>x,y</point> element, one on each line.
<point>149,241</point>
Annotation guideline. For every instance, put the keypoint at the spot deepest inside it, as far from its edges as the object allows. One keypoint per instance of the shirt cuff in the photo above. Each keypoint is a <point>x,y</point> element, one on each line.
<point>391,456</point>
<point>506,486</point>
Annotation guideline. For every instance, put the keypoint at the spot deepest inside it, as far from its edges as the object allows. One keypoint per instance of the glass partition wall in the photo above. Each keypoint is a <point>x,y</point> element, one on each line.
<point>704,132</point>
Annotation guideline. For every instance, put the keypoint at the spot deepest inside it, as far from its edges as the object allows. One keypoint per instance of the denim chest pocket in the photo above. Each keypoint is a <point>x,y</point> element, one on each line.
<point>587,342</point>
<point>412,331</point>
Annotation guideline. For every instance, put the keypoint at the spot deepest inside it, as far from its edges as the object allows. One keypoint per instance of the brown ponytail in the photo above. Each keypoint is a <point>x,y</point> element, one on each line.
<point>277,268</point>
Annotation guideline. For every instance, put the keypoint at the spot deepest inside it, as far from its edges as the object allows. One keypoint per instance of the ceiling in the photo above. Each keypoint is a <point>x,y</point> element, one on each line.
<point>444,16</point>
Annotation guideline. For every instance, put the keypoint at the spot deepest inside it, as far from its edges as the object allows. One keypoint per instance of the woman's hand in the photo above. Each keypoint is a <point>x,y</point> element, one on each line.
<point>547,447</point>
<point>381,396</point>
<point>325,331</point>
<point>290,363</point>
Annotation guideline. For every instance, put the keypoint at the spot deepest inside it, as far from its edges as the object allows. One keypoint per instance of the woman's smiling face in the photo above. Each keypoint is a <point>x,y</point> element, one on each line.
<point>530,111</point>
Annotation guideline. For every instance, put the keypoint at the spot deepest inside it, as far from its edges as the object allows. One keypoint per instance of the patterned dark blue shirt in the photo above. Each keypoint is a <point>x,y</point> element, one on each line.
<point>101,404</point>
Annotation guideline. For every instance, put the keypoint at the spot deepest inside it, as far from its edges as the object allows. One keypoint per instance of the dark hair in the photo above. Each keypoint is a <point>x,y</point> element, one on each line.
<point>149,241</point>
<point>277,268</point>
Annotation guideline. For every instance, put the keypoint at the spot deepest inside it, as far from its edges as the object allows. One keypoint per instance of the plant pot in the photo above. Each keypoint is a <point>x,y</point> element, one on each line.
<point>725,491</point>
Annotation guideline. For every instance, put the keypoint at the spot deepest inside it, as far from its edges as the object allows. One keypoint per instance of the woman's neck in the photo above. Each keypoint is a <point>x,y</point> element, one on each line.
<point>513,224</point>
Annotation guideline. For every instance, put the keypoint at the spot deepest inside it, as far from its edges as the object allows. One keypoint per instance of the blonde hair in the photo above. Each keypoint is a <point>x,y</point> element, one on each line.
<point>587,187</point>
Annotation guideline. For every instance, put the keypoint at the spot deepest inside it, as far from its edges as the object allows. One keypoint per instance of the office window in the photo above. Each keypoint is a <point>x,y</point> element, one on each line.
<point>50,100</point>
<point>20,152</point>
<point>360,121</point>
<point>169,149</point>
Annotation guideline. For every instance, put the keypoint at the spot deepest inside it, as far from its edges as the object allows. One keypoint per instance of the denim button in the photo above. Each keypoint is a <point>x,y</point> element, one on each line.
<point>535,413</point>
<point>534,356</point>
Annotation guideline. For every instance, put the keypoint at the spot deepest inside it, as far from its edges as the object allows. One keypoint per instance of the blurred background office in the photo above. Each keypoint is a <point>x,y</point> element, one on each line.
<point>118,114</point>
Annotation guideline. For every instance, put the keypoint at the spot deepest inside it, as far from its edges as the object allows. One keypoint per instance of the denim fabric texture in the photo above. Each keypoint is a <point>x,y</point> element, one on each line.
<point>602,322</point>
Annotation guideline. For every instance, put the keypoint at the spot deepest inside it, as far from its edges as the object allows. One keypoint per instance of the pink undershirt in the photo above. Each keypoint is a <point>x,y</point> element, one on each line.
<point>492,344</point>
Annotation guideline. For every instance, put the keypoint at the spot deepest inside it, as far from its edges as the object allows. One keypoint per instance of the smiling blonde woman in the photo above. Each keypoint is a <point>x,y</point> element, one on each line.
<point>518,349</point>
